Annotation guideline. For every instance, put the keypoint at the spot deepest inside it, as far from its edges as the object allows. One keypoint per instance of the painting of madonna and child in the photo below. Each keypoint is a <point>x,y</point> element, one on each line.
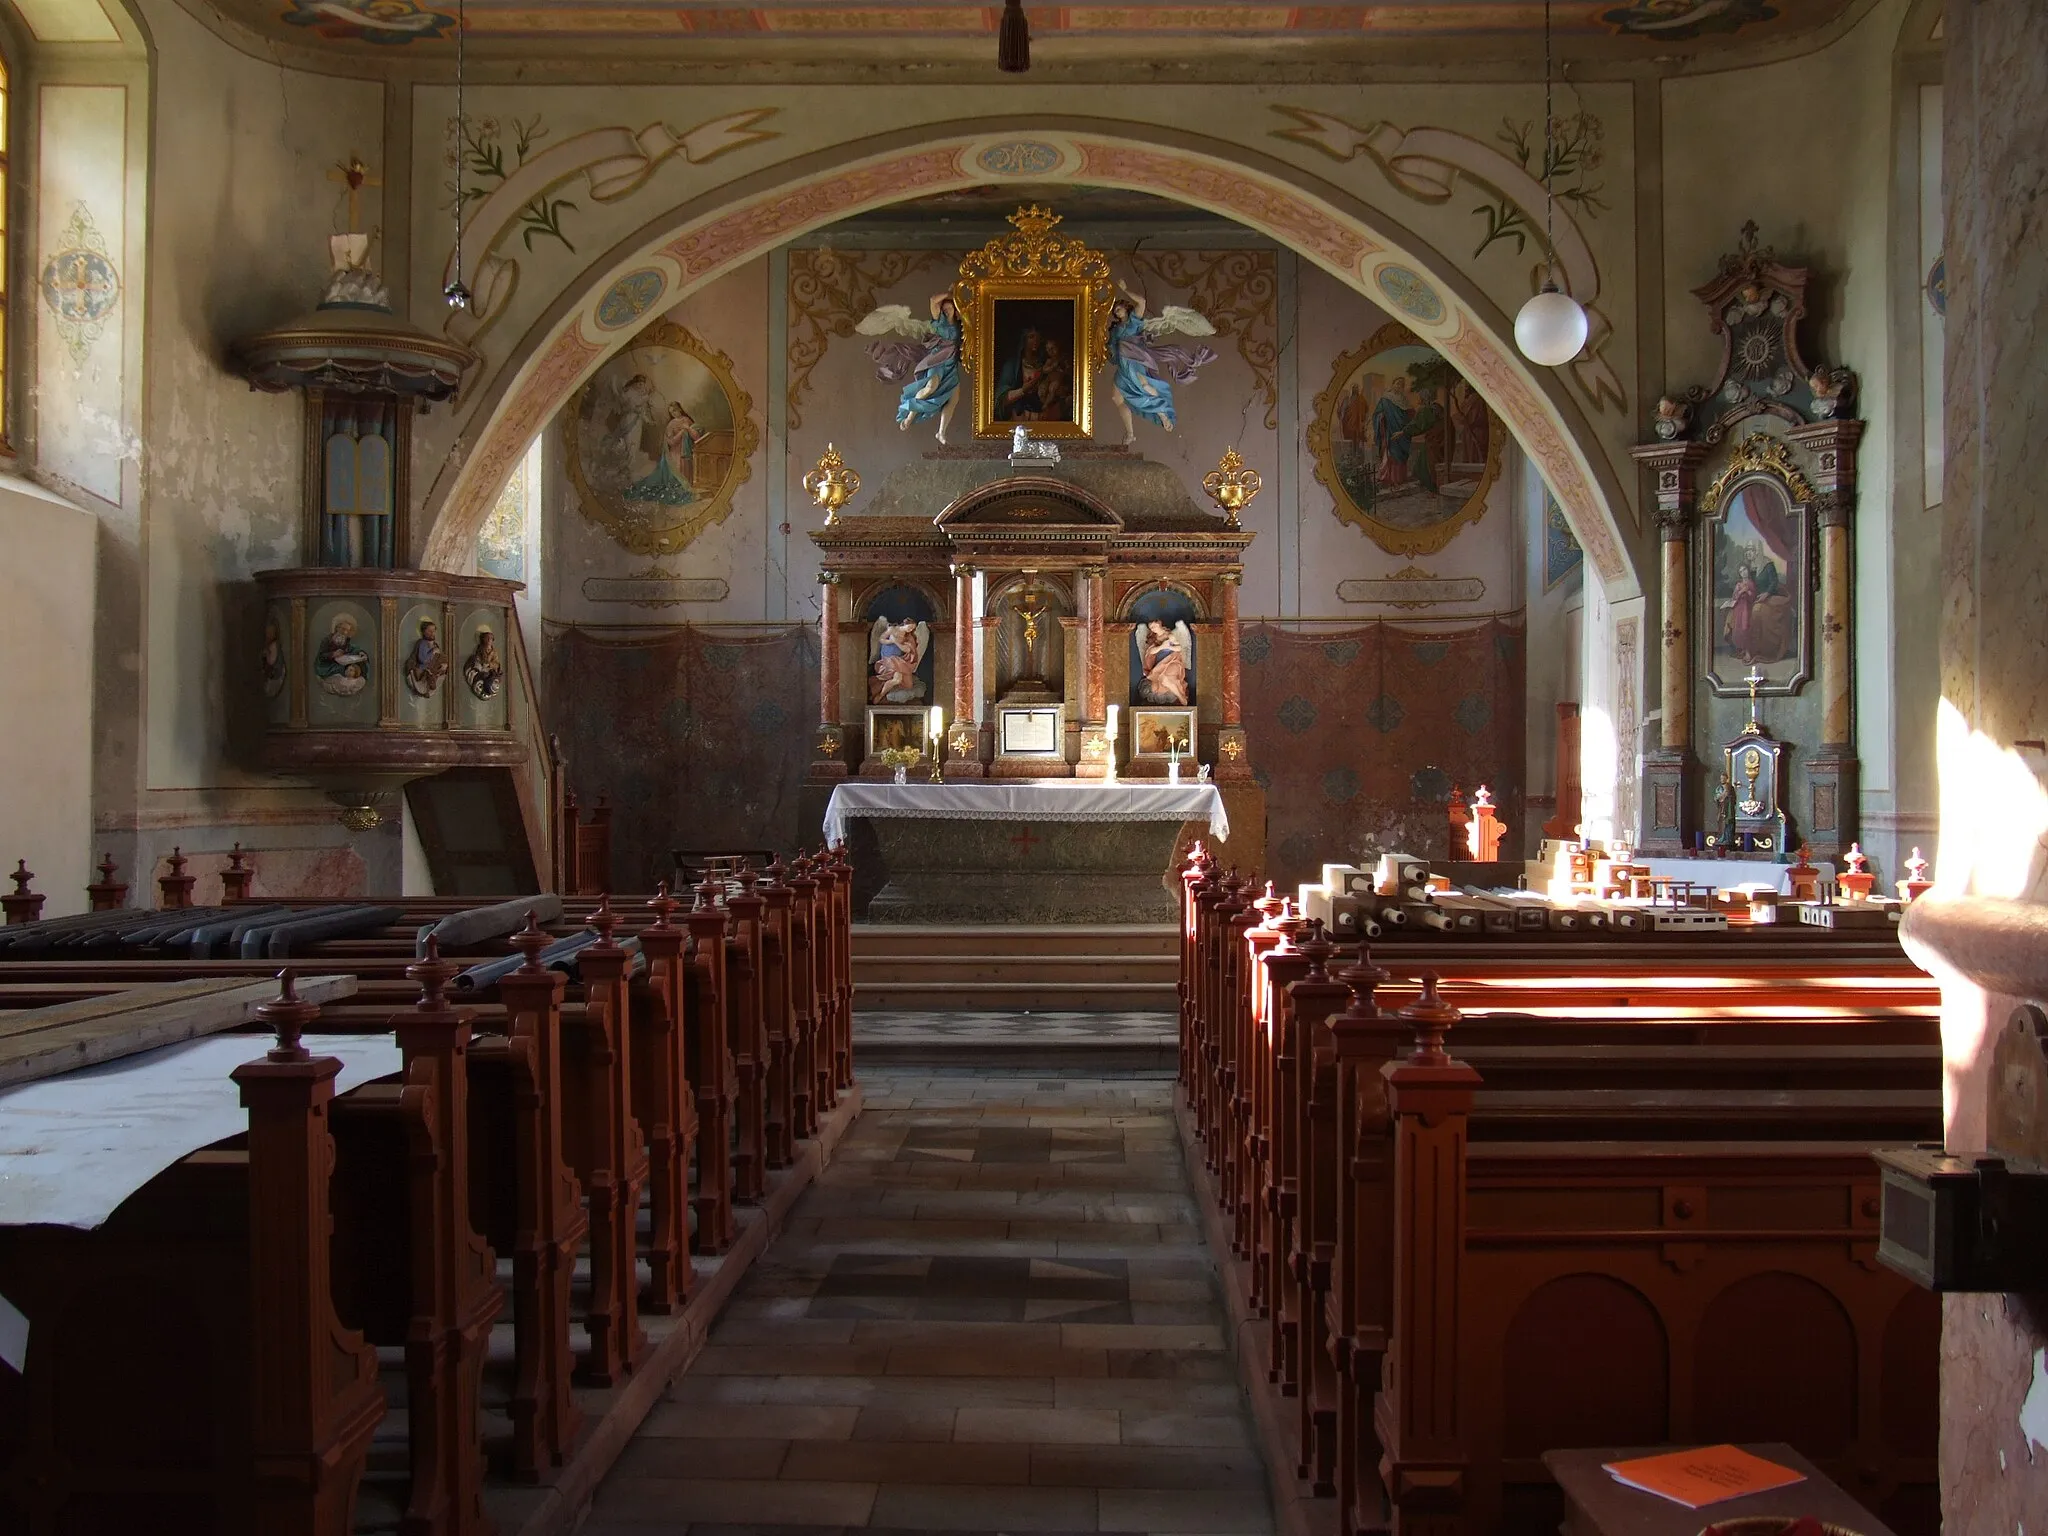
<point>1403,442</point>
<point>1759,583</point>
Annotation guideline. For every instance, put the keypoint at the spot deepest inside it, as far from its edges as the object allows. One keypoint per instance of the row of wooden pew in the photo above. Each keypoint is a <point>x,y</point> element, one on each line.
<point>577,1111</point>
<point>1566,1195</point>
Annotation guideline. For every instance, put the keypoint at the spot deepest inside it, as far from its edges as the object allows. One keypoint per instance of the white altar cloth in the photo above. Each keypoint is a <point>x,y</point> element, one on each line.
<point>73,1147</point>
<point>1029,800</point>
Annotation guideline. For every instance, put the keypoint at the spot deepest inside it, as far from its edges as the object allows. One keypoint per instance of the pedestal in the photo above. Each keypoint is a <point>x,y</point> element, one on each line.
<point>1667,776</point>
<point>1832,775</point>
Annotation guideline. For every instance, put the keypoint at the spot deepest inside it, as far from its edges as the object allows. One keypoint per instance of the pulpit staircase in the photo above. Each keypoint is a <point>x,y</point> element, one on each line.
<point>1015,968</point>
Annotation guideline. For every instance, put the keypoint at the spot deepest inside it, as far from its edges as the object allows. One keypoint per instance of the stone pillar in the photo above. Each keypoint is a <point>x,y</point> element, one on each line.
<point>963,736</point>
<point>1233,759</point>
<point>1094,762</point>
<point>1983,930</point>
<point>1669,772</point>
<point>1832,769</point>
<point>828,753</point>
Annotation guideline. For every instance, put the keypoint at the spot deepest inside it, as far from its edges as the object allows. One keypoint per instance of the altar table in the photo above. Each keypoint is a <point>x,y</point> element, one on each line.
<point>974,852</point>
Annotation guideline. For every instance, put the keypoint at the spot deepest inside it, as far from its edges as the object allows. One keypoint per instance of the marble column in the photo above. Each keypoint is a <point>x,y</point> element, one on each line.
<point>1669,769</point>
<point>1831,769</point>
<point>1983,929</point>
<point>1233,757</point>
<point>963,737</point>
<point>1094,742</point>
<point>828,752</point>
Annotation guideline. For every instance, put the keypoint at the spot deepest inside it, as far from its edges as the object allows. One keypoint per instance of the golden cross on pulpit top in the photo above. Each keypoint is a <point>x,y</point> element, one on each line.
<point>355,175</point>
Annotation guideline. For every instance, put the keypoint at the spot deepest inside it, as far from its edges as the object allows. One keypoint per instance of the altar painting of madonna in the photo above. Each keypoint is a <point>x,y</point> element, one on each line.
<point>1405,446</point>
<point>1758,609</point>
<point>659,440</point>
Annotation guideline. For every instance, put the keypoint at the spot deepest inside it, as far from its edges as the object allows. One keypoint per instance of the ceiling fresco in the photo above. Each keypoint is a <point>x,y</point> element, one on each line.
<point>1619,29</point>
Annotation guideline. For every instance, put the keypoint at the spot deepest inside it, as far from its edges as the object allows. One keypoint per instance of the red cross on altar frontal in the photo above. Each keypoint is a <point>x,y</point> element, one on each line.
<point>1026,842</point>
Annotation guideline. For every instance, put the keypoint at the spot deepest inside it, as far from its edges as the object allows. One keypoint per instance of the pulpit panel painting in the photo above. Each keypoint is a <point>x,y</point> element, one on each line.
<point>1758,604</point>
<point>901,667</point>
<point>1162,648</point>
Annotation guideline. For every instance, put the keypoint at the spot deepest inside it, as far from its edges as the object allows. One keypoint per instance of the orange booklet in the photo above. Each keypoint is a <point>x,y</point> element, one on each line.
<point>1705,1476</point>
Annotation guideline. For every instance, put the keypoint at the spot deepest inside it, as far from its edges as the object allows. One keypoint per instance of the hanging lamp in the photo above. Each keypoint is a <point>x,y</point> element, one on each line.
<point>1013,39</point>
<point>1551,327</point>
<point>457,292</point>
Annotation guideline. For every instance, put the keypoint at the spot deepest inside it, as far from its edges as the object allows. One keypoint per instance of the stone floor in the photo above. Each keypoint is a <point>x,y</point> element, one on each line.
<point>995,1312</point>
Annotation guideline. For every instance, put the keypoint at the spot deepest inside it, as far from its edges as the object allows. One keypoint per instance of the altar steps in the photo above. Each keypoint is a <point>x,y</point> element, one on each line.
<point>1111,969</point>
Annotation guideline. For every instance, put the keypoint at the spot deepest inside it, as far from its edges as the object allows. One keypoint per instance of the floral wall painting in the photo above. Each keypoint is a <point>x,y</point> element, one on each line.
<point>659,441</point>
<point>1562,556</point>
<point>1757,590</point>
<point>1162,648</point>
<point>1405,446</point>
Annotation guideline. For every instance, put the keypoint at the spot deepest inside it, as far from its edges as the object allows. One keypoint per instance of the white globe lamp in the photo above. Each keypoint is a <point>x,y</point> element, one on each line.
<point>1551,328</point>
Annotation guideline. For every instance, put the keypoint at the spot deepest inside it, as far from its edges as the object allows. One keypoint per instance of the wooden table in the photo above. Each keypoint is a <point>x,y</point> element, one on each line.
<point>1596,1505</point>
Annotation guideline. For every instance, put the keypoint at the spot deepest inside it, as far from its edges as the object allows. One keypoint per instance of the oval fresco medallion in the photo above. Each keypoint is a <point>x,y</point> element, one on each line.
<point>659,440</point>
<point>1019,157</point>
<point>1403,443</point>
<point>80,284</point>
<point>630,298</point>
<point>1407,292</point>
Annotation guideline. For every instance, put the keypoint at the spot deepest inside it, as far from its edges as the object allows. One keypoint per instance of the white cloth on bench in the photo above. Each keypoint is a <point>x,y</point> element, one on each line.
<point>1029,800</point>
<point>73,1147</point>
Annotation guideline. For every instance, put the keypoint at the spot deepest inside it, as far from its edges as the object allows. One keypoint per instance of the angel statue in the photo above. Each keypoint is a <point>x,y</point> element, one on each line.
<point>1147,365</point>
<point>927,364</point>
<point>1163,656</point>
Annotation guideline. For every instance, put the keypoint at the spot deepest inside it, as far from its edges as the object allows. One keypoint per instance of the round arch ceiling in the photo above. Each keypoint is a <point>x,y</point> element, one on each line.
<point>605,306</point>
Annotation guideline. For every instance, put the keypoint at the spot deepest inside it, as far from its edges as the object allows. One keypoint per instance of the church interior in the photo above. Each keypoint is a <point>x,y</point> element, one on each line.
<point>920,767</point>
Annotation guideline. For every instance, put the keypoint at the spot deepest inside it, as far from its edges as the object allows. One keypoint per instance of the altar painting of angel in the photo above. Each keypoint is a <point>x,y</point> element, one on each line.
<point>1164,656</point>
<point>1147,364</point>
<point>926,363</point>
<point>896,647</point>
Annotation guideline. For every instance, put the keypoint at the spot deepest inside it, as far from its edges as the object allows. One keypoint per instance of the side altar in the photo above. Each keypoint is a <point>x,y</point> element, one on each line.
<point>1056,851</point>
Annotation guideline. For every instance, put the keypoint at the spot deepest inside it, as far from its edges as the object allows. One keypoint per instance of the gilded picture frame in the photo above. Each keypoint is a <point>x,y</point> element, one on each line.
<point>1034,315</point>
<point>1754,574</point>
<point>1405,446</point>
<point>659,441</point>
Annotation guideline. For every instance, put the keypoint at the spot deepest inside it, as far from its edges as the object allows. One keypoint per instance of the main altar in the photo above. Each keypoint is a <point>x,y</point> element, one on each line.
<point>1032,605</point>
<point>1053,851</point>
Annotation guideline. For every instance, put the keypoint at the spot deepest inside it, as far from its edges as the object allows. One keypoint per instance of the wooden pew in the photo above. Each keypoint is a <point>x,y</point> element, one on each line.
<point>1282,1049</point>
<point>187,1369</point>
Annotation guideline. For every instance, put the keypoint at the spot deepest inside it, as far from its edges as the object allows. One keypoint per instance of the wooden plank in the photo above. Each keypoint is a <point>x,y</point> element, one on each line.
<point>42,1042</point>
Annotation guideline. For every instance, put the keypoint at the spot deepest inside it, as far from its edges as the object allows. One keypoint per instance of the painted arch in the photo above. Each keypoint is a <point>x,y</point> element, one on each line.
<point>675,254</point>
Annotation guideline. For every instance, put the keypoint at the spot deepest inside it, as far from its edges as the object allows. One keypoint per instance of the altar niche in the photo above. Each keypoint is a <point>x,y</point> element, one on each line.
<point>1030,635</point>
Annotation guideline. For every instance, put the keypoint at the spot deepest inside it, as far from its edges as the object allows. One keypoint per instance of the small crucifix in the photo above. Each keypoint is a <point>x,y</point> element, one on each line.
<point>354,175</point>
<point>1755,680</point>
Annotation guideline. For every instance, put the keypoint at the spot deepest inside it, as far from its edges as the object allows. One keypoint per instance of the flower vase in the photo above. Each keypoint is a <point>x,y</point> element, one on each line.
<point>1173,771</point>
<point>902,773</point>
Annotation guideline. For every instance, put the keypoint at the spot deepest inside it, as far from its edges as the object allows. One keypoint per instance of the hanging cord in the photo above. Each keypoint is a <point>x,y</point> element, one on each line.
<point>1549,132</point>
<point>456,293</point>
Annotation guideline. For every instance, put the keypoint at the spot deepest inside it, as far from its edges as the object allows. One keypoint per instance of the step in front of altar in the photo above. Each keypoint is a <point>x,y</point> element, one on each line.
<point>1018,968</point>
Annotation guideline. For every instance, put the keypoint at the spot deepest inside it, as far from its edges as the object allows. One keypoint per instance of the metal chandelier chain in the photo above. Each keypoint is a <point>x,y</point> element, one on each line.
<point>461,142</point>
<point>1549,130</point>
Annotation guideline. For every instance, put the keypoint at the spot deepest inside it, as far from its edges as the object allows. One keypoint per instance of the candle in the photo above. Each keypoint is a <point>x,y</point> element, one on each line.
<point>938,723</point>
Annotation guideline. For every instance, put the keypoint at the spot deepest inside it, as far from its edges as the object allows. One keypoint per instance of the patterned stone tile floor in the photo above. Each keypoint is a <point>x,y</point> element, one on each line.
<point>994,1313</point>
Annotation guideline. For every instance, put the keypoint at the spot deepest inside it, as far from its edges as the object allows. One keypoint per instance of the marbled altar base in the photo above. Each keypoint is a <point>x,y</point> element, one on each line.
<point>1026,872</point>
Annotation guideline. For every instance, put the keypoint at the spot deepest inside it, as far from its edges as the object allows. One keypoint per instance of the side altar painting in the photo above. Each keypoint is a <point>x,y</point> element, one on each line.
<point>1405,446</point>
<point>1032,319</point>
<point>1756,590</point>
<point>659,440</point>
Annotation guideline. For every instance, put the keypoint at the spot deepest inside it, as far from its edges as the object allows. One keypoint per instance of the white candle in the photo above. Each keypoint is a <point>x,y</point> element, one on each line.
<point>938,723</point>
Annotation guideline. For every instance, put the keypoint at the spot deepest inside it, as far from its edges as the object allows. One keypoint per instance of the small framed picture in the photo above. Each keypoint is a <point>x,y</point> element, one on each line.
<point>1160,732</point>
<point>1029,731</point>
<point>891,726</point>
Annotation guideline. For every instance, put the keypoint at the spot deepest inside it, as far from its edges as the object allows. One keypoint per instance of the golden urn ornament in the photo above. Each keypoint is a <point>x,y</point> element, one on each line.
<point>1232,485</point>
<point>832,484</point>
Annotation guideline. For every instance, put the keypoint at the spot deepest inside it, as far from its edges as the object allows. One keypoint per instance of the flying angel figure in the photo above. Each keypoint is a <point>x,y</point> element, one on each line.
<point>926,364</point>
<point>1147,365</point>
